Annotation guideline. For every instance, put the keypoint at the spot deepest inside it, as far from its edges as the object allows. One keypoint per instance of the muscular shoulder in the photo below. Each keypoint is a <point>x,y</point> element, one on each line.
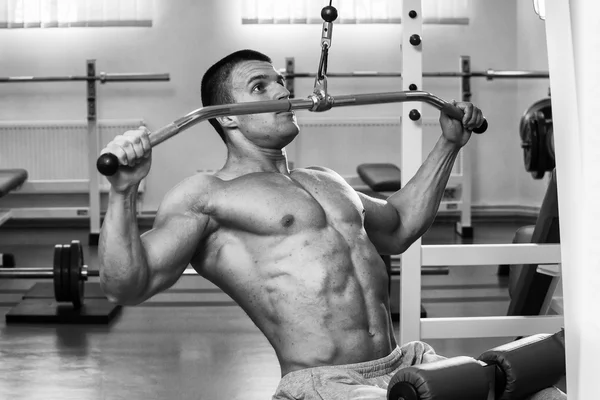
<point>191,195</point>
<point>328,171</point>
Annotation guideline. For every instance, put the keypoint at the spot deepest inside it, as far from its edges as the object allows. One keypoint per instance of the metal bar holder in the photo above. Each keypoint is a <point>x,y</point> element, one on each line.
<point>324,103</point>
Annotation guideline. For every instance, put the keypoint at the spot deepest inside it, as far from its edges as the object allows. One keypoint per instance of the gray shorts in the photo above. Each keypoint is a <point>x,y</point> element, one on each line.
<point>367,380</point>
<point>352,380</point>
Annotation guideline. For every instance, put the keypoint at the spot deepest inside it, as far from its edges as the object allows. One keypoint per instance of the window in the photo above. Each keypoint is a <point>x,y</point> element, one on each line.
<point>74,13</point>
<point>455,12</point>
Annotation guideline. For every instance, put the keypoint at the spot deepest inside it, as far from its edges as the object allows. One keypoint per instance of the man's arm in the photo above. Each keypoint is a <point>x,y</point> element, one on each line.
<point>394,224</point>
<point>135,267</point>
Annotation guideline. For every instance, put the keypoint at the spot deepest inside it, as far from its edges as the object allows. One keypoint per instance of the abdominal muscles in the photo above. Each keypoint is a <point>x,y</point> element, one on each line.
<point>319,298</point>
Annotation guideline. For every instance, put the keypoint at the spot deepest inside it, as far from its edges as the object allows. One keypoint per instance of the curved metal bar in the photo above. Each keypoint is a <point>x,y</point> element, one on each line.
<point>259,107</point>
<point>107,164</point>
<point>204,113</point>
<point>398,97</point>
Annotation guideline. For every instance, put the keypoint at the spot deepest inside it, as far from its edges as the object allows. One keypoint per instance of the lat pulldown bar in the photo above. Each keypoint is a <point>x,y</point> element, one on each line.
<point>108,164</point>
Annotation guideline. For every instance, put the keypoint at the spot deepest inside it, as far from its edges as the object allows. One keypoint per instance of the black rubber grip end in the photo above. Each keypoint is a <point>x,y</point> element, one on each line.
<point>482,128</point>
<point>107,164</point>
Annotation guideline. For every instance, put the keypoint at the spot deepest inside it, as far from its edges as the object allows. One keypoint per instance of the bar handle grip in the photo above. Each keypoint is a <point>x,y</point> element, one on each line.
<point>108,164</point>
<point>458,114</point>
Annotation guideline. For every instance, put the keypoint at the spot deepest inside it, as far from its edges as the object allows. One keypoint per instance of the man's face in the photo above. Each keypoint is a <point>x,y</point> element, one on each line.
<point>259,81</point>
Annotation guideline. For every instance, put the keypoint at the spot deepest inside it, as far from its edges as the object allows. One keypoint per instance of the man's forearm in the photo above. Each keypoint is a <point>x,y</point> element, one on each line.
<point>419,199</point>
<point>123,266</point>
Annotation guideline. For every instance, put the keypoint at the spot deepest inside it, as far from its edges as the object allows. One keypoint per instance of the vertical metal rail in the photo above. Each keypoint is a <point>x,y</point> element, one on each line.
<point>463,227</point>
<point>574,207</point>
<point>93,151</point>
<point>412,158</point>
<point>289,71</point>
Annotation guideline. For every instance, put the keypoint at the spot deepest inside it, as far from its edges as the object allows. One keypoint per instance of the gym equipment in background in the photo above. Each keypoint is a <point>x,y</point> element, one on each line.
<point>91,80</point>
<point>10,179</point>
<point>68,299</point>
<point>512,371</point>
<point>537,138</point>
<point>530,289</point>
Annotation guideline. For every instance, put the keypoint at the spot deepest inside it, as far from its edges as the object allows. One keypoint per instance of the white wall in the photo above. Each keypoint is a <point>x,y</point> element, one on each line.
<point>188,36</point>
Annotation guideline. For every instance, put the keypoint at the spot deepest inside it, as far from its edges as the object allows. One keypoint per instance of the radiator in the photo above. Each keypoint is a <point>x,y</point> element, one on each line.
<point>54,150</point>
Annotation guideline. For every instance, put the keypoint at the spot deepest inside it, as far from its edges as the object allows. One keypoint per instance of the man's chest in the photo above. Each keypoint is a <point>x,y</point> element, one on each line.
<point>274,203</point>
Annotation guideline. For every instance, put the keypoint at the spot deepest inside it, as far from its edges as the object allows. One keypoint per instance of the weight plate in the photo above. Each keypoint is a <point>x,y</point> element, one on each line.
<point>65,271</point>
<point>76,267</point>
<point>541,166</point>
<point>533,128</point>
<point>530,146</point>
<point>550,145</point>
<point>544,105</point>
<point>57,270</point>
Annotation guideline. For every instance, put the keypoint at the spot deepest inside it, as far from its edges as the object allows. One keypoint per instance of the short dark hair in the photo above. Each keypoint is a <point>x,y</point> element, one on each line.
<point>216,82</point>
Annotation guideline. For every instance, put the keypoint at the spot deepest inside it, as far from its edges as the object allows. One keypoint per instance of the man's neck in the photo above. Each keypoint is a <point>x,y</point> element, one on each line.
<point>256,159</point>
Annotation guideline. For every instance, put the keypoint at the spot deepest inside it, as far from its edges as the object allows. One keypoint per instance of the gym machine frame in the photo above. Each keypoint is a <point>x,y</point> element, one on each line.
<point>412,327</point>
<point>464,226</point>
<point>91,79</point>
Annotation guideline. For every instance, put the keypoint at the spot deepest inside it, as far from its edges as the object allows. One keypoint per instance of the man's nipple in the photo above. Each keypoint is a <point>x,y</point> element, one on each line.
<point>287,221</point>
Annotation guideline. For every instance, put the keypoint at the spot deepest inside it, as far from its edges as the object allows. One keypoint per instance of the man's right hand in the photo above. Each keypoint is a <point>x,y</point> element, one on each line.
<point>134,152</point>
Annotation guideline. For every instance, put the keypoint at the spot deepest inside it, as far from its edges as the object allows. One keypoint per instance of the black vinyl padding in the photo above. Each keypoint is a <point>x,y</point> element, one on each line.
<point>456,378</point>
<point>10,179</point>
<point>528,365</point>
<point>381,177</point>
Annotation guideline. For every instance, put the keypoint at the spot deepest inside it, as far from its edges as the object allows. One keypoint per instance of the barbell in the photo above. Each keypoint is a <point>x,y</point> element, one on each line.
<point>69,273</point>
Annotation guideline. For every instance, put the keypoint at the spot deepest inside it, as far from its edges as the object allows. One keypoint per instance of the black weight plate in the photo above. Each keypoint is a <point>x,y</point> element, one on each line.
<point>543,105</point>
<point>537,174</point>
<point>530,146</point>
<point>542,161</point>
<point>75,273</point>
<point>550,144</point>
<point>57,276</point>
<point>65,271</point>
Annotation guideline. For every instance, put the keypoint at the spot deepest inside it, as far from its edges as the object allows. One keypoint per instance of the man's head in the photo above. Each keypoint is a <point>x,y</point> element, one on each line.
<point>245,76</point>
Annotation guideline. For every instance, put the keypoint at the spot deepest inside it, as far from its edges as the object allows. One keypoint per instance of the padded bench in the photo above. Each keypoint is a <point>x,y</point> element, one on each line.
<point>513,371</point>
<point>380,177</point>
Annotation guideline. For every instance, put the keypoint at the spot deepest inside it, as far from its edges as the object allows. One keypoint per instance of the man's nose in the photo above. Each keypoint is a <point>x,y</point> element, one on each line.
<point>282,93</point>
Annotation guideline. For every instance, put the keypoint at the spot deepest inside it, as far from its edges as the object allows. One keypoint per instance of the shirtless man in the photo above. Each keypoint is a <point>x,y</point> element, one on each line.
<point>298,250</point>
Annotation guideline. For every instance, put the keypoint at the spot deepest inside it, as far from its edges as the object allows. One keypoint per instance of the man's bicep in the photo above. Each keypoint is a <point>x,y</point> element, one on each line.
<point>171,243</point>
<point>382,223</point>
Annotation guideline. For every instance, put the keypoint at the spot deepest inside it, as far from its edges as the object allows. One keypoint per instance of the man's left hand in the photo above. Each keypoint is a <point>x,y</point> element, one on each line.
<point>459,132</point>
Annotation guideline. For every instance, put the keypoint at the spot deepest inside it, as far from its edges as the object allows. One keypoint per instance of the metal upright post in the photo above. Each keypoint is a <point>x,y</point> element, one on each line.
<point>572,140</point>
<point>93,151</point>
<point>412,158</point>
<point>290,70</point>
<point>463,227</point>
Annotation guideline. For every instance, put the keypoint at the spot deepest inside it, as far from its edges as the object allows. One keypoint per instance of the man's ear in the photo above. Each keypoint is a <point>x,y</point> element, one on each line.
<point>228,121</point>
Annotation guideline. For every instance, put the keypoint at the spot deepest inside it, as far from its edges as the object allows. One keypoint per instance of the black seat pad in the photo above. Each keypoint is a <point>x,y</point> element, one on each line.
<point>381,177</point>
<point>10,179</point>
